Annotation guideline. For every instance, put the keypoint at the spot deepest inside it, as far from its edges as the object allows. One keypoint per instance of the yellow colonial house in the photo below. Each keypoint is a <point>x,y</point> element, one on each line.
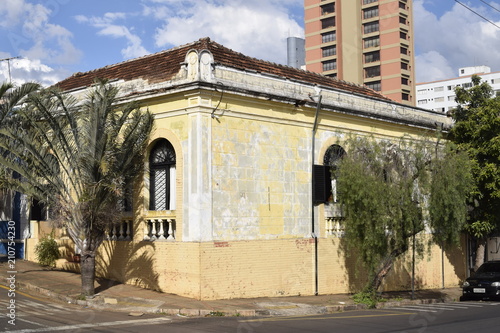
<point>227,206</point>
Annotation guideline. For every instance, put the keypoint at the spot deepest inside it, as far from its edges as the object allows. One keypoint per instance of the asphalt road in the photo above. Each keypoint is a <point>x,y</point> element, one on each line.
<point>38,314</point>
<point>450,317</point>
<point>32,314</point>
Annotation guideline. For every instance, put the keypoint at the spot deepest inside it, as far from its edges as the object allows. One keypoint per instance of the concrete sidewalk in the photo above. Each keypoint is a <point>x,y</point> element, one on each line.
<point>63,285</point>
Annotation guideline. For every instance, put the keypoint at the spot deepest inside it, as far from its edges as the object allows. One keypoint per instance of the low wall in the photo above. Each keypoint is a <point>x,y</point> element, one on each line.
<point>257,268</point>
<point>171,267</point>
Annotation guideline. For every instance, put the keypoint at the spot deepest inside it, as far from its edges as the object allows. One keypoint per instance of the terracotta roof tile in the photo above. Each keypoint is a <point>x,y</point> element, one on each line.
<point>163,66</point>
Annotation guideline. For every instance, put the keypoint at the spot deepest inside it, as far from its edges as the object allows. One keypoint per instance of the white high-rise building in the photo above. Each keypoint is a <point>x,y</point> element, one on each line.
<point>296,52</point>
<point>440,95</point>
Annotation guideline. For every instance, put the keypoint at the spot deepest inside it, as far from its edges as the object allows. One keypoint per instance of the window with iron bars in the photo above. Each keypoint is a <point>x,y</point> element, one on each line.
<point>162,166</point>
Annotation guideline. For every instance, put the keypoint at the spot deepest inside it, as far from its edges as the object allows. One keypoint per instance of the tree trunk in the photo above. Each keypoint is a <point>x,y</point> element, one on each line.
<point>382,273</point>
<point>87,266</point>
<point>385,268</point>
<point>480,252</point>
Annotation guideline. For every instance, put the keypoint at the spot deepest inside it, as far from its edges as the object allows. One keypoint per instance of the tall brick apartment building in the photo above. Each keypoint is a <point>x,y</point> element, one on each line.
<point>368,42</point>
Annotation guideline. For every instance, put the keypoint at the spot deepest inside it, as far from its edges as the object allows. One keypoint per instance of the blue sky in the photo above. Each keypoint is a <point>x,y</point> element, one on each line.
<point>56,38</point>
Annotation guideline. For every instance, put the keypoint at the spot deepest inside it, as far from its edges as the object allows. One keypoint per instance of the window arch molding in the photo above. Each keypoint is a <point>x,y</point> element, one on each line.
<point>162,175</point>
<point>333,155</point>
<point>331,160</point>
<point>164,155</point>
<point>325,182</point>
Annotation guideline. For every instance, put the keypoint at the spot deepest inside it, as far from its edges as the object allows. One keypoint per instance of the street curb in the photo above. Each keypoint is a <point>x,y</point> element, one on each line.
<point>221,312</point>
<point>49,293</point>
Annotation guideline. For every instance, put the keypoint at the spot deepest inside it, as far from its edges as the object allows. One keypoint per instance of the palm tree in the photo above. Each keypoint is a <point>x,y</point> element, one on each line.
<point>77,157</point>
<point>11,97</point>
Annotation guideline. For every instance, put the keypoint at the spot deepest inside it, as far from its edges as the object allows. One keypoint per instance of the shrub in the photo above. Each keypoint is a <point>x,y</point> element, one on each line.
<point>368,297</point>
<point>47,251</point>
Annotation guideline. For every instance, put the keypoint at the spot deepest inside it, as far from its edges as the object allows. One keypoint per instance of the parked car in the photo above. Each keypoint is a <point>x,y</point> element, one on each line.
<point>484,284</point>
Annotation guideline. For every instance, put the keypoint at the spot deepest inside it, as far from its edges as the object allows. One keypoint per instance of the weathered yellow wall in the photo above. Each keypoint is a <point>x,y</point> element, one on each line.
<point>340,273</point>
<point>171,267</point>
<point>256,268</point>
<point>285,267</point>
<point>260,179</point>
<point>429,269</point>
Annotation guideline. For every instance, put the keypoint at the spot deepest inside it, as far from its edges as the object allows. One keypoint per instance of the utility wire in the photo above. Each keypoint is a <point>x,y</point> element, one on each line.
<point>481,16</point>
<point>498,10</point>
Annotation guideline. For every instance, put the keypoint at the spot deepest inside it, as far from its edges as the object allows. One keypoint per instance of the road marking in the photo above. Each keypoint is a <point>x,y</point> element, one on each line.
<point>415,309</point>
<point>317,317</point>
<point>27,308</point>
<point>30,322</point>
<point>453,306</point>
<point>467,305</point>
<point>471,305</point>
<point>151,321</point>
<point>437,307</point>
<point>24,294</point>
<point>35,304</point>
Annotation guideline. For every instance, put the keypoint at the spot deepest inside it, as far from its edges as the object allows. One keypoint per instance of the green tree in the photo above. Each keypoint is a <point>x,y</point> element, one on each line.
<point>477,131</point>
<point>390,192</point>
<point>76,157</point>
<point>11,98</point>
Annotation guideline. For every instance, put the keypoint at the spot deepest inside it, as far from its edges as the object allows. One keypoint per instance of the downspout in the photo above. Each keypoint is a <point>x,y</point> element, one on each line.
<point>313,229</point>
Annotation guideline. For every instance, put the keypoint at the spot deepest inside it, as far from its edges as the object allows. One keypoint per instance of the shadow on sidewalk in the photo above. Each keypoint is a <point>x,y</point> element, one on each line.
<point>105,284</point>
<point>419,294</point>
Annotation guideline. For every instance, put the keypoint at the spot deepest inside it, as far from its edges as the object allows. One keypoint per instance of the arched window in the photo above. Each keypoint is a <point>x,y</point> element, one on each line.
<point>162,176</point>
<point>324,176</point>
<point>333,155</point>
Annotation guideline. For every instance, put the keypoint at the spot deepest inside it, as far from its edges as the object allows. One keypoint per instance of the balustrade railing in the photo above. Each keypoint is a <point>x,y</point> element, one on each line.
<point>159,229</point>
<point>334,227</point>
<point>121,231</point>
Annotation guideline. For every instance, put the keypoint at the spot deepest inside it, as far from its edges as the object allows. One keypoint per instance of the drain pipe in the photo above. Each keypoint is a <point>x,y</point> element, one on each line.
<point>313,229</point>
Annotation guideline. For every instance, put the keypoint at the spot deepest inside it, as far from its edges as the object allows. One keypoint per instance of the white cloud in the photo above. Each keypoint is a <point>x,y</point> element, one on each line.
<point>458,38</point>
<point>26,70</point>
<point>256,28</point>
<point>107,27</point>
<point>11,12</point>
<point>433,66</point>
<point>134,47</point>
<point>33,36</point>
<point>29,29</point>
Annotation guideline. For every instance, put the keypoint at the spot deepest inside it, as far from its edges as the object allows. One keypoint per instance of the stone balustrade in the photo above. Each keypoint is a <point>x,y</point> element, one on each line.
<point>334,227</point>
<point>121,231</point>
<point>159,229</point>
